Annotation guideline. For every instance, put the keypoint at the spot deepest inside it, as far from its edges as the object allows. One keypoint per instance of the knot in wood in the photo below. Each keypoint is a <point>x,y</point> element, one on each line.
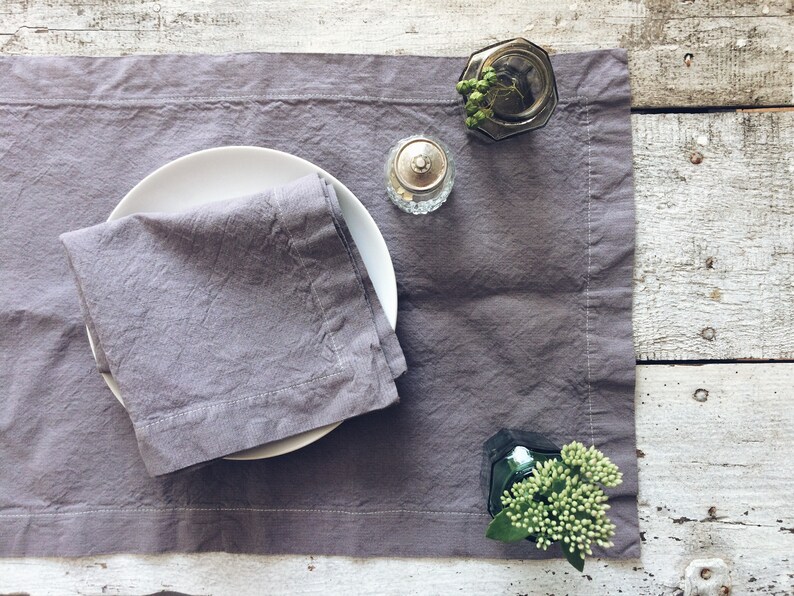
<point>708,333</point>
<point>700,395</point>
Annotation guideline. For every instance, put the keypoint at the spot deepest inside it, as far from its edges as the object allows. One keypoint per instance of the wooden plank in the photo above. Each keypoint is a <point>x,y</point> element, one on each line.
<point>714,272</point>
<point>740,50</point>
<point>715,481</point>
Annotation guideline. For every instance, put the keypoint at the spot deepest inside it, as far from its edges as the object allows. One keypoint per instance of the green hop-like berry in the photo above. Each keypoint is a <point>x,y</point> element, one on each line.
<point>471,108</point>
<point>475,91</point>
<point>483,86</point>
<point>463,87</point>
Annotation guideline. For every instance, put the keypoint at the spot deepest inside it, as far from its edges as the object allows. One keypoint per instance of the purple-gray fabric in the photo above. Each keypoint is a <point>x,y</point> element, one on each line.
<point>233,324</point>
<point>514,302</point>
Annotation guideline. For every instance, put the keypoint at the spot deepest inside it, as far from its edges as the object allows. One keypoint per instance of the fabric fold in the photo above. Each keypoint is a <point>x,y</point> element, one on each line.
<point>236,323</point>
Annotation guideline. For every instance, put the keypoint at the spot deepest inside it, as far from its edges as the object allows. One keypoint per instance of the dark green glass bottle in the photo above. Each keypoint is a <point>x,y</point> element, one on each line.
<point>512,455</point>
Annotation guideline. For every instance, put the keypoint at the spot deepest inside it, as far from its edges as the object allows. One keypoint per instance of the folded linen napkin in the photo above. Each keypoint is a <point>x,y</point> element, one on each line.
<point>236,323</point>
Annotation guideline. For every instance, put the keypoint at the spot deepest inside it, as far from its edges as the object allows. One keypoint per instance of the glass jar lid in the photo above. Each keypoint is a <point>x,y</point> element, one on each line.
<point>420,165</point>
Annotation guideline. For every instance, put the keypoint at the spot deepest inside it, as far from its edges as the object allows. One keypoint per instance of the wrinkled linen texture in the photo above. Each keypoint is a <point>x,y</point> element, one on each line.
<point>514,302</point>
<point>233,324</point>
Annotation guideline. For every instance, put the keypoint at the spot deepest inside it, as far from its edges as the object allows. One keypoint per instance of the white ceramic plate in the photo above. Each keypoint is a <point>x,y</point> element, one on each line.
<point>228,172</point>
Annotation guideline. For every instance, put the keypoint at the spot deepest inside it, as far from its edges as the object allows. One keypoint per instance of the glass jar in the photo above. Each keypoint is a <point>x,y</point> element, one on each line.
<point>420,172</point>
<point>511,456</point>
<point>527,93</point>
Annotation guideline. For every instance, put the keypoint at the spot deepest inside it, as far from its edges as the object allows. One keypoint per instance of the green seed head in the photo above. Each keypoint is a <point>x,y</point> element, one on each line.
<point>483,86</point>
<point>463,87</point>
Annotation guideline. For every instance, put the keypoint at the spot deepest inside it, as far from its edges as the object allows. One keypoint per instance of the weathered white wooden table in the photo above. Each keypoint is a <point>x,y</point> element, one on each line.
<point>712,86</point>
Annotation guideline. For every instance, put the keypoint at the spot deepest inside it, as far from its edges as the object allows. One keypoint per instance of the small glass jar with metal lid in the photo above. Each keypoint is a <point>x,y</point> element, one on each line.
<point>420,172</point>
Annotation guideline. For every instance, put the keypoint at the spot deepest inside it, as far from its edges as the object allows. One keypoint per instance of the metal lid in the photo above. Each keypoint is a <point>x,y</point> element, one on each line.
<point>420,165</point>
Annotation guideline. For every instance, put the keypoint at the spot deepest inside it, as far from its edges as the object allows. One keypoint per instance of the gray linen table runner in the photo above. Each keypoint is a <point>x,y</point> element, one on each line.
<point>235,323</point>
<point>514,302</point>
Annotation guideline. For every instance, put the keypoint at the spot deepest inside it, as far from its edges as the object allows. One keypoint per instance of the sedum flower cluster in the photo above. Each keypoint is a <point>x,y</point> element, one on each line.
<point>562,500</point>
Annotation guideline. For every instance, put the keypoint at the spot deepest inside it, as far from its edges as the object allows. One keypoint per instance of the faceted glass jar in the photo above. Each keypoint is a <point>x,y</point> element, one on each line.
<point>511,455</point>
<point>527,93</point>
<point>420,172</point>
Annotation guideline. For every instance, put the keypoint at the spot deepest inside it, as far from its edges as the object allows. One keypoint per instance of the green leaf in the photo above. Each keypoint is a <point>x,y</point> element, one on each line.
<point>501,529</point>
<point>573,555</point>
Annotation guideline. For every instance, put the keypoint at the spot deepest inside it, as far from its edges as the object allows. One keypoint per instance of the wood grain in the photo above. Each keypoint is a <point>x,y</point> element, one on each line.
<point>715,481</point>
<point>740,49</point>
<point>714,270</point>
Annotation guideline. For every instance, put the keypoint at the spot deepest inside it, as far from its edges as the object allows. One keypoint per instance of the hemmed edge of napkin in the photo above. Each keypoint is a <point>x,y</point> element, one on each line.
<point>388,336</point>
<point>234,425</point>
